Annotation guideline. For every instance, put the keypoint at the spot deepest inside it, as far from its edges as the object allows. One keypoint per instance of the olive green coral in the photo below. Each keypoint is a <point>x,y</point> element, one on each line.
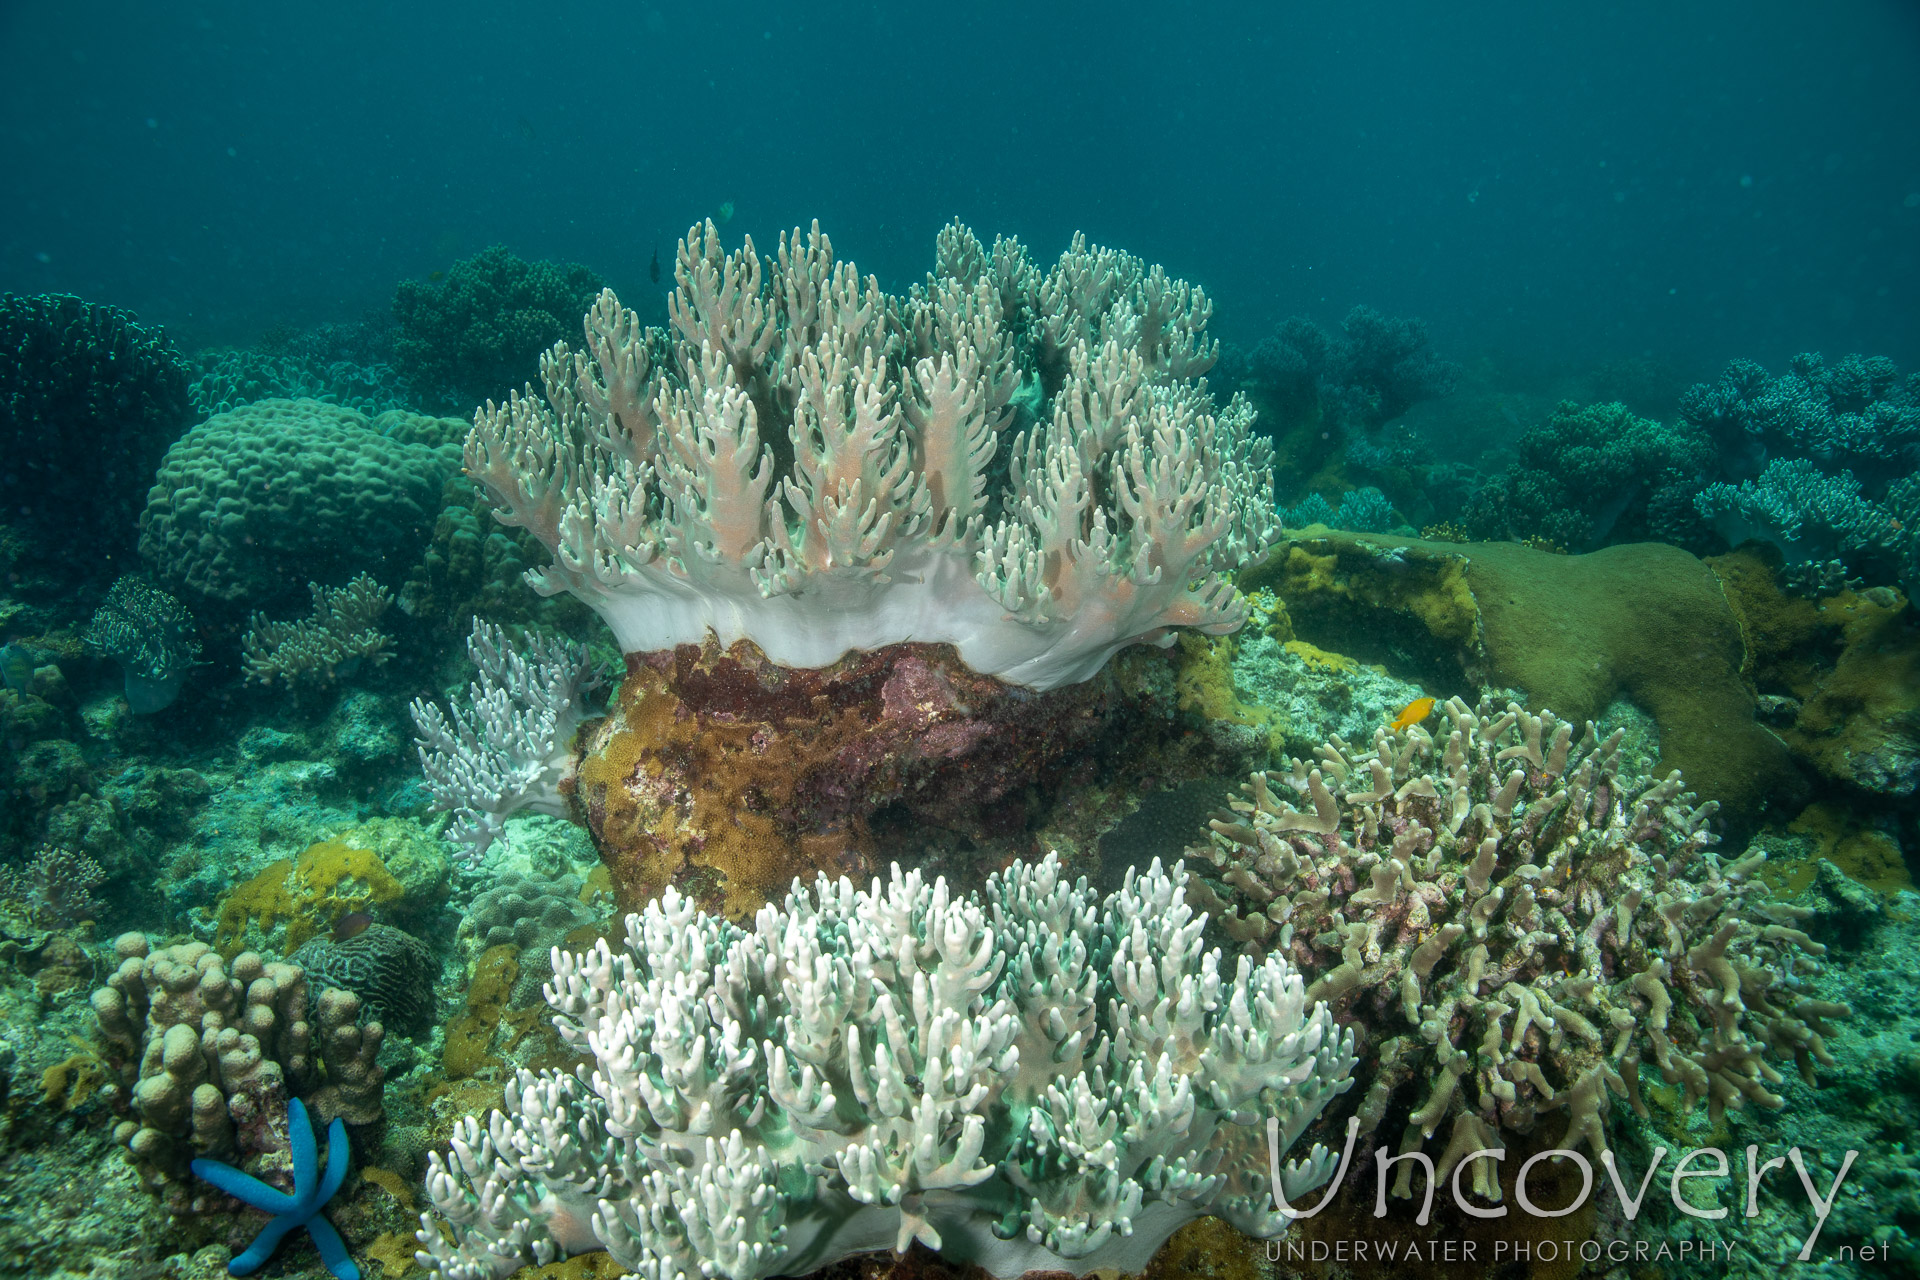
<point>284,491</point>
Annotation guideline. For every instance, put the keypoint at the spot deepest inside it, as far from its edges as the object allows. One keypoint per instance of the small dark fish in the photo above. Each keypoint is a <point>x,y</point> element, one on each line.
<point>653,268</point>
<point>16,667</point>
<point>351,925</point>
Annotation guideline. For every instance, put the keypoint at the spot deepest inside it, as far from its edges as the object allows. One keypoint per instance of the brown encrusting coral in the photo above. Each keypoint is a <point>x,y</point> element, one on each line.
<point>1516,927</point>
<point>727,775</point>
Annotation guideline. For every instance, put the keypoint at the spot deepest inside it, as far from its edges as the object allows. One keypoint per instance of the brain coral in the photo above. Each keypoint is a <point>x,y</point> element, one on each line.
<point>277,493</point>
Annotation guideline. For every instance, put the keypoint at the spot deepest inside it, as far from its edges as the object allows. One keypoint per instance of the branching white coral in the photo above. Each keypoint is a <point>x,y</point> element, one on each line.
<point>1028,1079</point>
<point>805,462</point>
<point>509,748</point>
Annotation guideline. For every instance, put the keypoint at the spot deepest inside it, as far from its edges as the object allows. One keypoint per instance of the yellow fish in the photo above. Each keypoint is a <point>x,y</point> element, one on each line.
<point>1413,713</point>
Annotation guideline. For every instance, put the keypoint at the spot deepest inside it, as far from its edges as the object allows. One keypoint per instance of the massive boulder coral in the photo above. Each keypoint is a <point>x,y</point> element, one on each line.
<point>1032,1079</point>
<point>251,503</point>
<point>1516,927</point>
<point>807,463</point>
<point>206,1053</point>
<point>1647,623</point>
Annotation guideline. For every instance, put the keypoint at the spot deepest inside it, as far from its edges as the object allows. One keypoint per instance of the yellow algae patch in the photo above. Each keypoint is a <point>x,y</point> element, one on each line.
<point>308,895</point>
<point>1871,857</point>
<point>1320,659</point>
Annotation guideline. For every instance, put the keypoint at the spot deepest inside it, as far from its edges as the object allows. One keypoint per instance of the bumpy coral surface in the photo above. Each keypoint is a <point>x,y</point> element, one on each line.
<point>806,462</point>
<point>1517,928</point>
<point>729,775</point>
<point>484,327</point>
<point>287,491</point>
<point>89,401</point>
<point>207,1052</point>
<point>1033,1079</point>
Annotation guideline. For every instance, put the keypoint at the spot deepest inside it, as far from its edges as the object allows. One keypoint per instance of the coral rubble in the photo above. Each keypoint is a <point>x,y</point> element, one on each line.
<point>1029,1079</point>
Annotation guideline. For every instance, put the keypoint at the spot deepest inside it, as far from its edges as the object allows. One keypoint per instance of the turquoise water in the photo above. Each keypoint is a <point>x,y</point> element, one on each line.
<point>760,642</point>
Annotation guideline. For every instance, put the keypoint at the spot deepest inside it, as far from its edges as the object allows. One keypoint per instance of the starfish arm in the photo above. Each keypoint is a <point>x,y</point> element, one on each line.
<point>333,1250</point>
<point>337,1155</point>
<point>306,1156</point>
<point>243,1186</point>
<point>263,1246</point>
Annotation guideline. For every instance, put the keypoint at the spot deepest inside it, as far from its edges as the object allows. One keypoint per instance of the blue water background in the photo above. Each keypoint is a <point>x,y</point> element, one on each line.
<point>1569,182</point>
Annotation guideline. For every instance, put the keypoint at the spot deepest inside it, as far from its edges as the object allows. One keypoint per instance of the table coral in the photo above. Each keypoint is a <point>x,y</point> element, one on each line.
<point>1031,1078</point>
<point>1516,926</point>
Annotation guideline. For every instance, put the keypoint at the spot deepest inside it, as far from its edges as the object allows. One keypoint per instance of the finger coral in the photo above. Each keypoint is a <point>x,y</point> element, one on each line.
<point>511,745</point>
<point>1516,927</point>
<point>1027,1079</point>
<point>805,462</point>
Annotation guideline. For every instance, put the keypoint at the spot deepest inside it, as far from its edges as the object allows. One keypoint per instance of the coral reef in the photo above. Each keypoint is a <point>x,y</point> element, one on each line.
<point>53,891</point>
<point>293,1210</point>
<point>281,492</point>
<point>728,775</point>
<point>511,746</point>
<point>389,969</point>
<point>1593,475</point>
<point>806,463</point>
<point>226,379</point>
<point>1814,520</point>
<point>89,401</point>
<point>1858,415</point>
<point>1838,679</point>
<point>1646,622</point>
<point>293,900</point>
<point>1839,446</point>
<point>1364,510</point>
<point>206,1054</point>
<point>484,326</point>
<point>1033,1079</point>
<point>1374,370</point>
<point>151,635</point>
<point>334,639</point>
<point>1517,925</point>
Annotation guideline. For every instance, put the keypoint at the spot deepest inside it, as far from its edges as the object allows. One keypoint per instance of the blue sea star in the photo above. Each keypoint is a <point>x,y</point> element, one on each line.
<point>301,1209</point>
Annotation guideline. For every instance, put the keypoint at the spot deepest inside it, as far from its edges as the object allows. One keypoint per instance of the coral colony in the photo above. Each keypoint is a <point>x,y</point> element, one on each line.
<point>1523,928</point>
<point>813,465</point>
<point>1032,1078</point>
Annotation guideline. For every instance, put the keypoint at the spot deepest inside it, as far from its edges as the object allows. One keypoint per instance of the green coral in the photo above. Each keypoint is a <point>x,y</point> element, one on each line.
<point>89,400</point>
<point>287,491</point>
<point>1594,475</point>
<point>486,325</point>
